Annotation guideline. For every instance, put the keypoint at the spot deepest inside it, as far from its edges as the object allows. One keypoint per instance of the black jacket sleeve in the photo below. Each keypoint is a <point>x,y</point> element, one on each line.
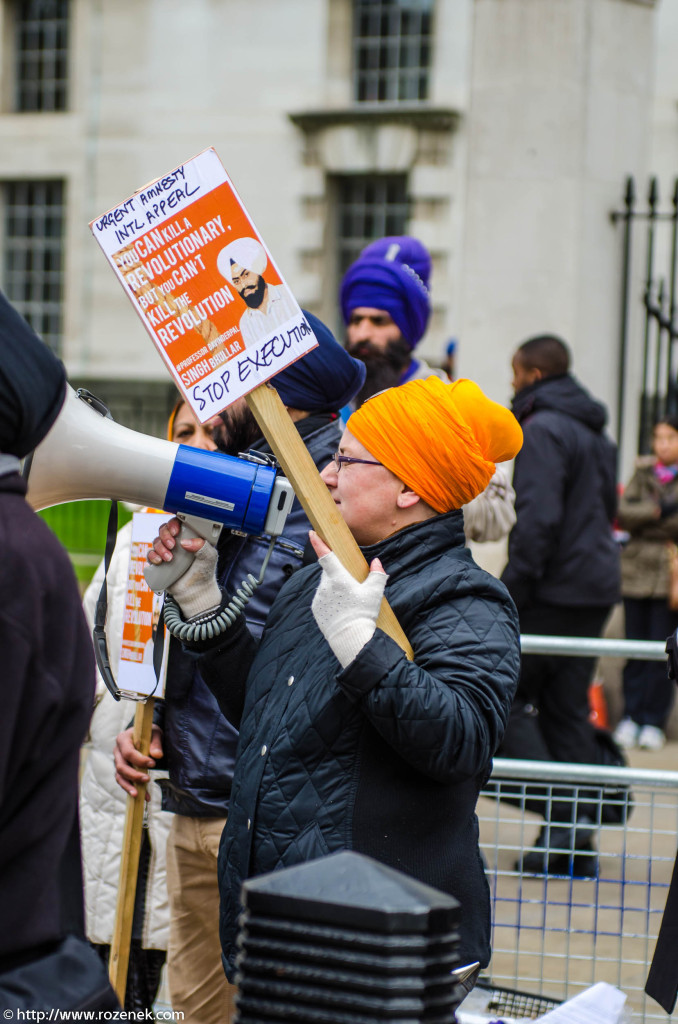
<point>446,712</point>
<point>540,481</point>
<point>224,665</point>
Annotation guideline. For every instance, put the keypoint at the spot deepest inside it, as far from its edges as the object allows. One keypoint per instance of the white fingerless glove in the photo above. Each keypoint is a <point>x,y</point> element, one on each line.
<point>346,611</point>
<point>197,591</point>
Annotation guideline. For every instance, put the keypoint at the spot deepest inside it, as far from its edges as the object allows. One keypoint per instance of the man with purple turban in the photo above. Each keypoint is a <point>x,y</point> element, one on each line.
<point>385,302</point>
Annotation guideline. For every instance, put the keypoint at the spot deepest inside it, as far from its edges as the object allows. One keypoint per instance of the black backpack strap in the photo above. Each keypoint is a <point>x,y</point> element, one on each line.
<point>99,630</point>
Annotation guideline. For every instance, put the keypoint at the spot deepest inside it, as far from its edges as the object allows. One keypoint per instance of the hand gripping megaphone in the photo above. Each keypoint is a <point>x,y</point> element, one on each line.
<point>87,455</point>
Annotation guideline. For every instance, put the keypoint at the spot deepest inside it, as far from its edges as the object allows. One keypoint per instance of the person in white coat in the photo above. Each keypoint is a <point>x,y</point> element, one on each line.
<point>103,803</point>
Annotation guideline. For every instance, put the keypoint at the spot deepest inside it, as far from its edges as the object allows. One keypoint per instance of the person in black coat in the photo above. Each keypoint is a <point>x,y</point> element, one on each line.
<point>344,743</point>
<point>563,570</point>
<point>47,698</point>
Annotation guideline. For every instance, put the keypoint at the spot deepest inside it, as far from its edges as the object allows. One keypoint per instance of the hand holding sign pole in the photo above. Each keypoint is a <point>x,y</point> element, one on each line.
<point>224,322</point>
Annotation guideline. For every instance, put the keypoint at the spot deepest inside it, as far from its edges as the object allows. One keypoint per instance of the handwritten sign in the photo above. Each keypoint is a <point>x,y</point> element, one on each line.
<point>142,611</point>
<point>204,284</point>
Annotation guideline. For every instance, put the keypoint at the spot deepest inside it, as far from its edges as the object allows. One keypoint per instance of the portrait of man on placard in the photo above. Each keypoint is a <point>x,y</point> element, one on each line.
<point>243,263</point>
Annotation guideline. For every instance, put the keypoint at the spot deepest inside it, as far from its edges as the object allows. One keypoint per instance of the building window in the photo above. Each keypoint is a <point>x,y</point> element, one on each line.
<point>368,206</point>
<point>392,42</point>
<point>33,259</point>
<point>41,33</point>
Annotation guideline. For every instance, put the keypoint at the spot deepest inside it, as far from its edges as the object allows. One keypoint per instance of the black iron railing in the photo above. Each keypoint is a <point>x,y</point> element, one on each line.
<point>658,392</point>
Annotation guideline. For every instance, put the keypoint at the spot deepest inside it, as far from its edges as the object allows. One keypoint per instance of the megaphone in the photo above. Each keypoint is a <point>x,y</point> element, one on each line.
<point>87,455</point>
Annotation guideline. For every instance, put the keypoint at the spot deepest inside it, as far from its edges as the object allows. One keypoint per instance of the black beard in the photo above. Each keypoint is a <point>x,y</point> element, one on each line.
<point>241,430</point>
<point>255,298</point>
<point>384,367</point>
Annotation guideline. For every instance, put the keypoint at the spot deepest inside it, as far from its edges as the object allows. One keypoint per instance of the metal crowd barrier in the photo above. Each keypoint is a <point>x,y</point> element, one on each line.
<point>593,647</point>
<point>556,934</point>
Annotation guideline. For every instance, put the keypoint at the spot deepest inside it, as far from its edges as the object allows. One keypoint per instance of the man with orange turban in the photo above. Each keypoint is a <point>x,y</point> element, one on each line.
<point>344,742</point>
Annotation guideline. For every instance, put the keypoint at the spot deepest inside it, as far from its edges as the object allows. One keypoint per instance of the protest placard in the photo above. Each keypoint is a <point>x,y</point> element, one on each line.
<point>136,674</point>
<point>204,284</point>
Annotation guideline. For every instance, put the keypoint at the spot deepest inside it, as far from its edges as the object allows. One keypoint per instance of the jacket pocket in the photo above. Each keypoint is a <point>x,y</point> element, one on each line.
<point>308,845</point>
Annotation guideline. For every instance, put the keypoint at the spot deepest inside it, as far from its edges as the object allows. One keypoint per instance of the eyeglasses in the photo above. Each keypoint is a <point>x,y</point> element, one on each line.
<point>338,460</point>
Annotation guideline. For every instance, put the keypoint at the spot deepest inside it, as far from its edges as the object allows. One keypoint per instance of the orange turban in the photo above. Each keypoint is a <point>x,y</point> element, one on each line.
<point>442,440</point>
<point>172,417</point>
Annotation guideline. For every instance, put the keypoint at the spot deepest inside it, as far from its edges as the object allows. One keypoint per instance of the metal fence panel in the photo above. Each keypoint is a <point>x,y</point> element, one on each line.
<point>554,935</point>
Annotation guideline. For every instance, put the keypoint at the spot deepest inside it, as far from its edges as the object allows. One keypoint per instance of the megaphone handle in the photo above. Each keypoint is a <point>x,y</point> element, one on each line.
<point>160,577</point>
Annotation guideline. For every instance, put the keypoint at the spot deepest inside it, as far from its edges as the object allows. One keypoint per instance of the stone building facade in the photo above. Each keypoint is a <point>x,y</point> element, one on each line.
<point>497,131</point>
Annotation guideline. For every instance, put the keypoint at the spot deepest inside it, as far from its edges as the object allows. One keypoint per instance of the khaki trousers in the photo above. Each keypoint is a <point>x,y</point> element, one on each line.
<point>195,974</point>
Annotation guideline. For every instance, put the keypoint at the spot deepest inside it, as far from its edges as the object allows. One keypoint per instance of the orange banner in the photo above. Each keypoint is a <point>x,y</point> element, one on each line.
<point>204,284</point>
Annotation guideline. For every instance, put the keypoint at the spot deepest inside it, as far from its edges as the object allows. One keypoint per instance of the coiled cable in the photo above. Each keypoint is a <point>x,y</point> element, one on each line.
<point>217,622</point>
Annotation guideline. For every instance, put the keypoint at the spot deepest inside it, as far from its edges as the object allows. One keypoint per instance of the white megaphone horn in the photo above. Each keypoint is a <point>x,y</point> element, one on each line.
<point>87,455</point>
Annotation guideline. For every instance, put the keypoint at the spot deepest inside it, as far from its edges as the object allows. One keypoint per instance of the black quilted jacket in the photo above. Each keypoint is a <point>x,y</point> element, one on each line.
<point>387,756</point>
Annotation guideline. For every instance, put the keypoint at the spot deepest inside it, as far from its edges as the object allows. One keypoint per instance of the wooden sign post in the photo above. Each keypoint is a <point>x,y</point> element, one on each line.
<point>300,470</point>
<point>129,862</point>
<point>136,676</point>
<point>224,321</point>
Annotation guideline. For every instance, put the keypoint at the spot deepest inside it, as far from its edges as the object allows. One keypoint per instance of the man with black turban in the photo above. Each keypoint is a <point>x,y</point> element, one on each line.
<point>47,685</point>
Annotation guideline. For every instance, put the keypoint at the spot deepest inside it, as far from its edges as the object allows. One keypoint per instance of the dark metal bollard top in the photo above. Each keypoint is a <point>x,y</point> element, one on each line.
<point>353,890</point>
